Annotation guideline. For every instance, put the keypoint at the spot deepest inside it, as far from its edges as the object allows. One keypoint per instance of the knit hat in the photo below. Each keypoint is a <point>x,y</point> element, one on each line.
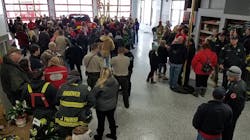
<point>73,77</point>
<point>219,93</point>
<point>234,71</point>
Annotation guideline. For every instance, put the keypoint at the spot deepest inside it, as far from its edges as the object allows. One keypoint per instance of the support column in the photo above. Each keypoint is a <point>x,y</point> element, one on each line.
<point>134,6</point>
<point>95,9</point>
<point>52,10</point>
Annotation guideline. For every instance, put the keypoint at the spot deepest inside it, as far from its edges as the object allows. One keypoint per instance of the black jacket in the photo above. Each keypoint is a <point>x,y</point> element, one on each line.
<point>240,89</point>
<point>246,44</point>
<point>177,53</point>
<point>74,54</point>
<point>44,40</point>
<point>153,59</point>
<point>212,117</point>
<point>230,56</point>
<point>35,62</point>
<point>131,64</point>
<point>163,54</point>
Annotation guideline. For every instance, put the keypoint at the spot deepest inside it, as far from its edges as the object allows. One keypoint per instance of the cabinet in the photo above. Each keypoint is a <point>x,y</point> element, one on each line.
<point>207,26</point>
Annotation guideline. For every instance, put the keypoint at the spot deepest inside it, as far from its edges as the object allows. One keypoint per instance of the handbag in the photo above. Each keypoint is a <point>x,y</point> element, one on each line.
<point>206,67</point>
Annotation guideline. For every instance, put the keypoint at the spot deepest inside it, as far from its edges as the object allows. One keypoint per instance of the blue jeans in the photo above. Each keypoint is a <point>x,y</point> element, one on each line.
<point>107,61</point>
<point>175,70</point>
<point>199,137</point>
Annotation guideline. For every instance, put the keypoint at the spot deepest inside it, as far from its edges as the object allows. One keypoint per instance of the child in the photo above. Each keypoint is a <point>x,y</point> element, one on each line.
<point>163,59</point>
<point>154,62</point>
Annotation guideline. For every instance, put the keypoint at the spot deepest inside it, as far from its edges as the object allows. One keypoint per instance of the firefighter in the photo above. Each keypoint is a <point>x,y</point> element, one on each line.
<point>75,104</point>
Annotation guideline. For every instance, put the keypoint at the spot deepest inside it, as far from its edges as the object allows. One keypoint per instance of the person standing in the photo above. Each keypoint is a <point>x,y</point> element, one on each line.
<point>213,117</point>
<point>136,29</point>
<point>13,76</point>
<point>106,47</point>
<point>154,63</point>
<point>233,54</point>
<point>120,65</point>
<point>105,93</point>
<point>93,64</point>
<point>130,55</point>
<point>163,59</point>
<point>203,64</point>
<point>177,57</point>
<point>235,98</point>
<point>35,61</point>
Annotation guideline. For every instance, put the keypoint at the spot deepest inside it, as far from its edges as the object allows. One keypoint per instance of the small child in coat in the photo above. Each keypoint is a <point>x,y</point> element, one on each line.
<point>154,62</point>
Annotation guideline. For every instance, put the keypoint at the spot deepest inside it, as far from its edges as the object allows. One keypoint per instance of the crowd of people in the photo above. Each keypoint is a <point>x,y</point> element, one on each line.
<point>50,74</point>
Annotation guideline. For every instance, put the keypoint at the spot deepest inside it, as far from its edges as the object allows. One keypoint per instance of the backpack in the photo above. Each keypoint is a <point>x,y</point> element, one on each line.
<point>41,95</point>
<point>206,67</point>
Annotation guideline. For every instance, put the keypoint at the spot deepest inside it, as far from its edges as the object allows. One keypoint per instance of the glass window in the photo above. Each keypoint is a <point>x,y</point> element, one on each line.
<point>60,1</point>
<point>125,8</point>
<point>11,1</point>
<point>124,2</point>
<point>30,7</point>
<point>40,1</point>
<point>86,1</point>
<point>61,7</point>
<point>12,7</point>
<point>58,14</point>
<point>41,7</point>
<point>86,8</point>
<point>23,7</point>
<point>74,8</point>
<point>113,8</point>
<point>177,10</point>
<point>13,14</point>
<point>73,1</point>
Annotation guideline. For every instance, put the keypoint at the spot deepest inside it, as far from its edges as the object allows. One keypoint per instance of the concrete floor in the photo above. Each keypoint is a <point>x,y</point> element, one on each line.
<point>157,113</point>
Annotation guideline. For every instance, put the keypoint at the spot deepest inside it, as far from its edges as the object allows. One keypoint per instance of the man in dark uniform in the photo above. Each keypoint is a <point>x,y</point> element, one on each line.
<point>213,117</point>
<point>233,54</point>
<point>235,98</point>
<point>129,54</point>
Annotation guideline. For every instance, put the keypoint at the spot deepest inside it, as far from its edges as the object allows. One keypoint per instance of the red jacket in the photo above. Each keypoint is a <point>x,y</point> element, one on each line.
<point>23,39</point>
<point>56,75</point>
<point>201,58</point>
<point>31,25</point>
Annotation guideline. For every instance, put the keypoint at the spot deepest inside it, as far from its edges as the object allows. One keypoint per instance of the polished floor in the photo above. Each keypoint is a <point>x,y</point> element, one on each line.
<point>157,113</point>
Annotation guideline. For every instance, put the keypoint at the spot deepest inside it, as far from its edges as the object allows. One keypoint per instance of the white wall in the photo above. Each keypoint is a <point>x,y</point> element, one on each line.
<point>3,24</point>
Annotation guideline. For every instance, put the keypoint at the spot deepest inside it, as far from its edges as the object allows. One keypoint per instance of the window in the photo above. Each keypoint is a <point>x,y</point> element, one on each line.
<point>177,10</point>
<point>26,9</point>
<point>66,7</point>
<point>117,8</point>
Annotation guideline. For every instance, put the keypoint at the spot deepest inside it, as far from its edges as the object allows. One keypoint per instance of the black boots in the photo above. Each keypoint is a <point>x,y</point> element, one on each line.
<point>200,91</point>
<point>111,136</point>
<point>151,79</point>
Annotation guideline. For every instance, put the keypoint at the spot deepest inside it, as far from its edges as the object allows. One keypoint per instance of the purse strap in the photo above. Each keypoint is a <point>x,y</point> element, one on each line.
<point>90,60</point>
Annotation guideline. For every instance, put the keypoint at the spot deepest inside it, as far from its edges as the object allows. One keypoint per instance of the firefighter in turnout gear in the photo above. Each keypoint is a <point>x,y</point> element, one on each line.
<point>75,104</point>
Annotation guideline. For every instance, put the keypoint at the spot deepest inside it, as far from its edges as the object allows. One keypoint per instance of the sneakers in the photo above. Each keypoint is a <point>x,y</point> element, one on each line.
<point>114,137</point>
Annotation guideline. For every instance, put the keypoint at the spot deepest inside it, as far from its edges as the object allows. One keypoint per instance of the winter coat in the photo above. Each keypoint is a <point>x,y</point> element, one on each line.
<point>202,57</point>
<point>163,54</point>
<point>44,40</point>
<point>153,59</point>
<point>177,54</point>
<point>106,97</point>
<point>74,55</point>
<point>23,39</point>
<point>13,78</point>
<point>35,63</point>
<point>108,45</point>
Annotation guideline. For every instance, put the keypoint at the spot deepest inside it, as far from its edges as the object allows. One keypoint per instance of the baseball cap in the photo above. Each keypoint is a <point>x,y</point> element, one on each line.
<point>219,93</point>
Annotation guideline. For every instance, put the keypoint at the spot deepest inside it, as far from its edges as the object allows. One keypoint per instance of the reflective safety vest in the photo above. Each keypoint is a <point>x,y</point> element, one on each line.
<point>70,122</point>
<point>41,95</point>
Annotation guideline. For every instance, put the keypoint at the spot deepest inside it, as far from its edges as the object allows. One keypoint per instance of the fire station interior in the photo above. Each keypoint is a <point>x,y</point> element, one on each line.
<point>155,112</point>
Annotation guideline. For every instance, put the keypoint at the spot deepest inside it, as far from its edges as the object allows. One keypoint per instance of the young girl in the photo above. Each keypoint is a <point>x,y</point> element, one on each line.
<point>154,62</point>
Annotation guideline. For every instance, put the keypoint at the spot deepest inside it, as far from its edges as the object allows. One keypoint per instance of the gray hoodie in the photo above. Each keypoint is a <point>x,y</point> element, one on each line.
<point>106,97</point>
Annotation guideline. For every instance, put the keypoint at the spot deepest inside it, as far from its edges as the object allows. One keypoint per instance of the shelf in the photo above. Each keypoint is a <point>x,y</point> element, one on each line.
<point>206,32</point>
<point>211,22</point>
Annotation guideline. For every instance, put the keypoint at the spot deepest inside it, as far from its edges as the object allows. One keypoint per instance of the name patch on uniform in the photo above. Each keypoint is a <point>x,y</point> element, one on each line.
<point>71,93</point>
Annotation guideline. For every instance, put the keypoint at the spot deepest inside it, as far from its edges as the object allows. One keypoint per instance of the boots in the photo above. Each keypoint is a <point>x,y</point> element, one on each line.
<point>111,136</point>
<point>203,91</point>
<point>197,92</point>
<point>151,79</point>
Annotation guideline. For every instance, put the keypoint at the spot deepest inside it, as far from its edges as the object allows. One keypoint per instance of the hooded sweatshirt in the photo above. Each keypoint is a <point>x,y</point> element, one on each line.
<point>108,45</point>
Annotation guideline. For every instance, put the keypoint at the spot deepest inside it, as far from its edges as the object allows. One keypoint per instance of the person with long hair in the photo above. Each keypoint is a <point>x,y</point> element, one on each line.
<point>105,93</point>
